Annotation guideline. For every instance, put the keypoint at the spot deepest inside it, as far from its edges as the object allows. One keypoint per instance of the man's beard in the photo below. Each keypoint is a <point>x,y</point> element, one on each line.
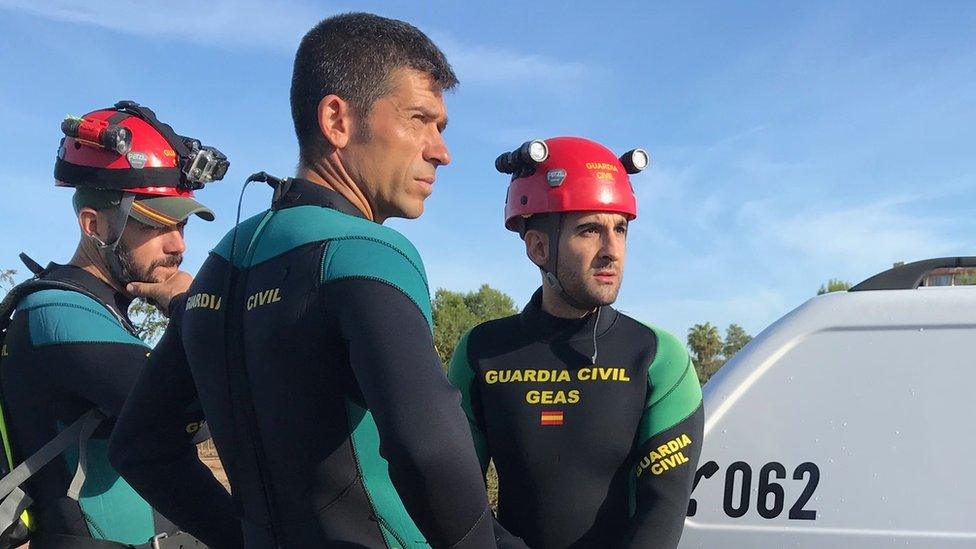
<point>133,273</point>
<point>572,283</point>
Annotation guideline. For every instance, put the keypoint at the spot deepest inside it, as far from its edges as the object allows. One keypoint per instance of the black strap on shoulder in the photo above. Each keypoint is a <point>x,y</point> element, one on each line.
<point>36,284</point>
<point>34,266</point>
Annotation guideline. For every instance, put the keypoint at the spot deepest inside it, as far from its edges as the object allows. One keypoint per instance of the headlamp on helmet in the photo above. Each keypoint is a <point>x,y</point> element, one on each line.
<point>523,160</point>
<point>635,161</point>
<point>126,148</point>
<point>99,133</point>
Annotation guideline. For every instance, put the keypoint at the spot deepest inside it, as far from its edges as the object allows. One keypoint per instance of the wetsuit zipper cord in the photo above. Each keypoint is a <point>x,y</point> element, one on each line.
<point>596,324</point>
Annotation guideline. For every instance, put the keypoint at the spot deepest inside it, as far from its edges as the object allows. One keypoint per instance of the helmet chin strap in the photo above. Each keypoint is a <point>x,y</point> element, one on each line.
<point>550,270</point>
<point>555,222</point>
<point>109,250</point>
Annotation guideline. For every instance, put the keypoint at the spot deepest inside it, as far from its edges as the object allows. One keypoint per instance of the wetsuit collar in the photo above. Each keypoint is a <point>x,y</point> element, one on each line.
<point>296,191</point>
<point>96,286</point>
<point>549,327</point>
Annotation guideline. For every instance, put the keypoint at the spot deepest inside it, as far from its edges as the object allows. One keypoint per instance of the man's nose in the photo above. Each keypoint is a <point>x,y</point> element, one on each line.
<point>613,246</point>
<point>436,151</point>
<point>174,244</point>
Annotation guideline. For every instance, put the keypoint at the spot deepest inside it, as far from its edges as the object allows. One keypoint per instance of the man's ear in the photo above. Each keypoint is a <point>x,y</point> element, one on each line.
<point>88,222</point>
<point>336,119</point>
<point>537,247</point>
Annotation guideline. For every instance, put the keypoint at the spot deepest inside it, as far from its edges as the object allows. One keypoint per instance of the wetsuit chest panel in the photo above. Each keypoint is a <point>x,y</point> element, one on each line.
<point>555,410</point>
<point>561,429</point>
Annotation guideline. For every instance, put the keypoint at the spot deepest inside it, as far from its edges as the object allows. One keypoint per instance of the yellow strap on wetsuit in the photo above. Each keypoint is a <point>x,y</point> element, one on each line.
<point>25,517</point>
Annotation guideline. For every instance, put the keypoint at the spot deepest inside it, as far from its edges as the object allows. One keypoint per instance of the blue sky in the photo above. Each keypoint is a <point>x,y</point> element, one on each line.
<point>790,143</point>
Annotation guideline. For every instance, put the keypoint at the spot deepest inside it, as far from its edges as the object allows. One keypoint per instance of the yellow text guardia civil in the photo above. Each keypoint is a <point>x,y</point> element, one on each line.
<point>666,456</point>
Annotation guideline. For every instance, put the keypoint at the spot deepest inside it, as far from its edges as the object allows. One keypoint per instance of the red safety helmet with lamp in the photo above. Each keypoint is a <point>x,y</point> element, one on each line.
<point>127,148</point>
<point>151,169</point>
<point>567,174</point>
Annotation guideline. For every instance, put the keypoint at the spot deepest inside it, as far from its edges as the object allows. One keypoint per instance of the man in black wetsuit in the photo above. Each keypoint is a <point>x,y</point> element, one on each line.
<point>593,420</point>
<point>71,355</point>
<point>307,332</point>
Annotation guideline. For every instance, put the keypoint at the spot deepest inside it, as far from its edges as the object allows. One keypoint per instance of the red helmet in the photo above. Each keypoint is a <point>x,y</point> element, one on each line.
<point>126,148</point>
<point>568,174</point>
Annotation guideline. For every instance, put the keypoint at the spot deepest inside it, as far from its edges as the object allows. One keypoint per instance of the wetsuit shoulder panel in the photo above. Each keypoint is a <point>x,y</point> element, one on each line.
<point>674,392</point>
<point>244,233</point>
<point>62,316</point>
<point>382,255</point>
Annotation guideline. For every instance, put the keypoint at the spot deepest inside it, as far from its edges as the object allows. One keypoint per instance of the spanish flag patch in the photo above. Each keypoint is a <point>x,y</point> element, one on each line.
<point>551,417</point>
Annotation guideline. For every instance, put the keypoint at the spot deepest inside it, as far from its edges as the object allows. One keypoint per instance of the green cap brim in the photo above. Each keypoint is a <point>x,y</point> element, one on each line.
<point>164,211</point>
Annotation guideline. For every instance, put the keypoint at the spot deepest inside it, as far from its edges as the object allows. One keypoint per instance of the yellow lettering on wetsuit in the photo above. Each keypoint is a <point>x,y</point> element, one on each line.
<point>553,397</point>
<point>665,457</point>
<point>602,374</point>
<point>264,297</point>
<point>563,396</point>
<point>595,373</point>
<point>526,376</point>
<point>203,301</point>
<point>4,352</point>
<point>195,426</point>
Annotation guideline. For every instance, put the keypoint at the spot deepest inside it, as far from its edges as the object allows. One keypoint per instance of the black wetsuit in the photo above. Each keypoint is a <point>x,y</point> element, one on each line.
<point>310,348</point>
<point>63,355</point>
<point>589,454</point>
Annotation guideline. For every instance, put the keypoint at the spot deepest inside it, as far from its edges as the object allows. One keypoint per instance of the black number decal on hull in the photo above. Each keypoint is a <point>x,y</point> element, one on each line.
<point>797,512</point>
<point>771,495</point>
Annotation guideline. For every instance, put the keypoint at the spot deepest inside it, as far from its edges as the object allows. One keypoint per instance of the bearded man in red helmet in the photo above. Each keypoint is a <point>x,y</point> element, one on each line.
<point>70,353</point>
<point>593,420</point>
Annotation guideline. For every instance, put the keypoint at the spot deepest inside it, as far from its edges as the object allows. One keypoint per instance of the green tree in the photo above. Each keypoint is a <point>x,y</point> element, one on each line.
<point>706,348</point>
<point>709,352</point>
<point>455,313</point>
<point>149,322</point>
<point>735,339</point>
<point>7,281</point>
<point>834,285</point>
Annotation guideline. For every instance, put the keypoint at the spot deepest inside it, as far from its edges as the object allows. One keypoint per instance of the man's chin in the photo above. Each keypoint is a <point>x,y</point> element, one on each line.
<point>161,274</point>
<point>602,298</point>
<point>409,211</point>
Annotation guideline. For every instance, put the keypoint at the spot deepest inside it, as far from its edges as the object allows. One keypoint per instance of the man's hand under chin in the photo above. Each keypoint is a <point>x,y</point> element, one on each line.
<point>160,293</point>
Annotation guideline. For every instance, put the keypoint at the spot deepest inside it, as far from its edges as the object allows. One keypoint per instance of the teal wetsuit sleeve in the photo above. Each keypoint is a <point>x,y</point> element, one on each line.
<point>668,446</point>
<point>376,298</point>
<point>464,379</point>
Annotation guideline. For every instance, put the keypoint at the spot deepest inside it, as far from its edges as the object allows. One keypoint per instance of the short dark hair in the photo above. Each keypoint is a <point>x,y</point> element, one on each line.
<point>536,222</point>
<point>96,199</point>
<point>352,55</point>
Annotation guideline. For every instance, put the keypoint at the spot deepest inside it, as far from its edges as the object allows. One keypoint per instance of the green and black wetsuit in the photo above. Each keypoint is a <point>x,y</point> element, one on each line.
<point>589,454</point>
<point>63,355</point>
<point>310,348</point>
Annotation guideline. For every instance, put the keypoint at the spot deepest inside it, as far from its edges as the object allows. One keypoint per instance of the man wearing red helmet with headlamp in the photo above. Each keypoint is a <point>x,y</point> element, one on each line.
<point>593,420</point>
<point>71,355</point>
